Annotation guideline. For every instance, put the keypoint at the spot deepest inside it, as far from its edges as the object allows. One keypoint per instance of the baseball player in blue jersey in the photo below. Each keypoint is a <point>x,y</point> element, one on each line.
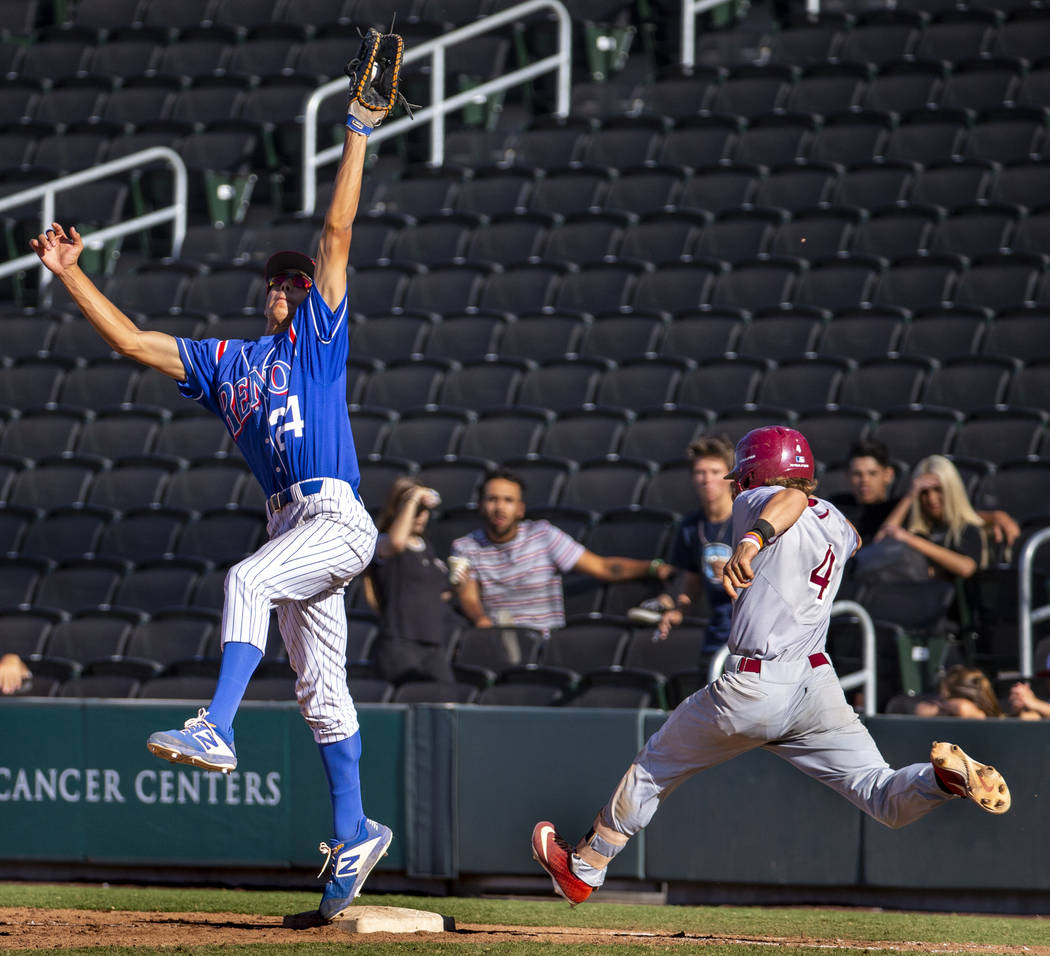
<point>779,690</point>
<point>283,399</point>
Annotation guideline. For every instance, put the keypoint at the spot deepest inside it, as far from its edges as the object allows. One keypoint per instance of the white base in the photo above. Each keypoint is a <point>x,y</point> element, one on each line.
<point>389,919</point>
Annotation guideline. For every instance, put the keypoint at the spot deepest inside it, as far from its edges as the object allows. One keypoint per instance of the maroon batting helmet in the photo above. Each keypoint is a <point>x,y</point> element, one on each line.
<point>771,452</point>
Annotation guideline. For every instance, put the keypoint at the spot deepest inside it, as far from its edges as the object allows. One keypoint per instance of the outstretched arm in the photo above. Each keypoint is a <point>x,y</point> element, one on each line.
<point>781,511</point>
<point>622,569</point>
<point>59,252</point>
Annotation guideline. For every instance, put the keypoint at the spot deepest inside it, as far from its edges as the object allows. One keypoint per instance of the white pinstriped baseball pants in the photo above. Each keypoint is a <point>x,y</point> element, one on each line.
<point>317,545</point>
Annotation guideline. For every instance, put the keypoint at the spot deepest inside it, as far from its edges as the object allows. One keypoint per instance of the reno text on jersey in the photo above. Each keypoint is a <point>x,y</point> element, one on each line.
<point>239,399</point>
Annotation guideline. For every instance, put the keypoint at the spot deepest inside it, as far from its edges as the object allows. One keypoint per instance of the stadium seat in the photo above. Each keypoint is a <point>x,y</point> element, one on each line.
<point>582,434</point>
<point>662,435</point>
<point>723,382</point>
<point>583,645</point>
<point>26,629</point>
<point>778,335</point>
<point>504,433</point>
<point>604,484</point>
<point>915,432</point>
<point>1000,434</point>
<point>704,334</point>
<point>862,334</point>
<point>943,333</point>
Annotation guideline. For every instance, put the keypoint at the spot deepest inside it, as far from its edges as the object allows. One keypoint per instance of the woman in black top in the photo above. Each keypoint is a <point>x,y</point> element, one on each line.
<point>936,519</point>
<point>407,584</point>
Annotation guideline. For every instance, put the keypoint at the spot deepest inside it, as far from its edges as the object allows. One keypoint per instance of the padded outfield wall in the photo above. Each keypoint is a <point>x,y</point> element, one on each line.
<point>461,786</point>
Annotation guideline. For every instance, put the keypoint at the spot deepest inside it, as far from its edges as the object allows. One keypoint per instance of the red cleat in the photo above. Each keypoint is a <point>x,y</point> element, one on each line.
<point>555,856</point>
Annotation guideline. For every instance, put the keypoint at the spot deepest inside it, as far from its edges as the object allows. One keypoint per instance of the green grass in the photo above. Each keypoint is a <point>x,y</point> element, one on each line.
<point>742,922</point>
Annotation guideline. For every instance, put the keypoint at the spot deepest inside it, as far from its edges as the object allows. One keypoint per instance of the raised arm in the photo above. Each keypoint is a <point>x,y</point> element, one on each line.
<point>333,251</point>
<point>60,252</point>
<point>374,76</point>
<point>397,536</point>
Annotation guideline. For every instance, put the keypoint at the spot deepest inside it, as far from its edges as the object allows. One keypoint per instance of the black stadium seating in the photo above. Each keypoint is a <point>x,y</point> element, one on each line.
<point>848,236</point>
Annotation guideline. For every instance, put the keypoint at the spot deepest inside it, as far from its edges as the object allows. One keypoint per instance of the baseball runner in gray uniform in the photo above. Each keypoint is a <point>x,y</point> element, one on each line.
<point>779,690</point>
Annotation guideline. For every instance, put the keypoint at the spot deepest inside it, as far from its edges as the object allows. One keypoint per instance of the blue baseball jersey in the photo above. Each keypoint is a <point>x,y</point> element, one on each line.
<point>283,396</point>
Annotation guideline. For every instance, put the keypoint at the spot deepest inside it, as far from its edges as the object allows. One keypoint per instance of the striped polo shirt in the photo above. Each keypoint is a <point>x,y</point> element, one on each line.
<point>520,580</point>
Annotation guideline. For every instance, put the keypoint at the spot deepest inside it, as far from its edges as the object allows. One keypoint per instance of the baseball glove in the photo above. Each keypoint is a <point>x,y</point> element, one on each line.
<point>375,73</point>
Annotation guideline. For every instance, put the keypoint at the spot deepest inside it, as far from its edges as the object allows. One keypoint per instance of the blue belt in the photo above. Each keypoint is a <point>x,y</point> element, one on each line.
<point>277,501</point>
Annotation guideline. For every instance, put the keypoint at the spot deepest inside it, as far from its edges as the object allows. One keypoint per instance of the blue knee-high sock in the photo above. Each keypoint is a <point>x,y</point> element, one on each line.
<point>341,763</point>
<point>239,660</point>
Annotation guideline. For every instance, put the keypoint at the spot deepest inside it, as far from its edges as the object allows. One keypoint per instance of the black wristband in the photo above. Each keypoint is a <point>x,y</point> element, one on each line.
<point>765,529</point>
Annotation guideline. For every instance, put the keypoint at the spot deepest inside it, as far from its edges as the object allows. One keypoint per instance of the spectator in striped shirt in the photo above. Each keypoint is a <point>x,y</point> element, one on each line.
<point>513,567</point>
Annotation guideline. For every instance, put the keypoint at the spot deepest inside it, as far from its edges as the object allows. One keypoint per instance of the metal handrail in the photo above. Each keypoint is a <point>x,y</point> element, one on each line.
<point>560,61</point>
<point>1026,615</point>
<point>691,9</point>
<point>865,677</point>
<point>176,212</point>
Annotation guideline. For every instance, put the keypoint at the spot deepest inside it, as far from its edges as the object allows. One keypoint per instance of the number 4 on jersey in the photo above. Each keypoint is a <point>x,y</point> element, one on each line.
<point>820,576</point>
<point>293,421</point>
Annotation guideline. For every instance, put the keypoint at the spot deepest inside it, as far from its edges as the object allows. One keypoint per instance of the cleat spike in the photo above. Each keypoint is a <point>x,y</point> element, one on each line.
<point>963,776</point>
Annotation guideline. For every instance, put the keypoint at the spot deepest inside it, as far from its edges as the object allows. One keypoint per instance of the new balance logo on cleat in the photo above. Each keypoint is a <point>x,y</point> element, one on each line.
<point>345,865</point>
<point>198,744</point>
<point>207,738</point>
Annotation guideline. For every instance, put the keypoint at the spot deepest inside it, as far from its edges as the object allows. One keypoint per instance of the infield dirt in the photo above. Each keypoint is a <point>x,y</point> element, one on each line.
<point>38,928</point>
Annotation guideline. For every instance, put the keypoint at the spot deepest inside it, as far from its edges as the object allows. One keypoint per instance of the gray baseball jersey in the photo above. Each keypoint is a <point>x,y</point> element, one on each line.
<point>784,614</point>
<point>779,692</point>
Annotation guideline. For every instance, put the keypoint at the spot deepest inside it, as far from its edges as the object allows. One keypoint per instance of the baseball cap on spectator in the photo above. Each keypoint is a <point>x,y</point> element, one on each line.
<point>288,261</point>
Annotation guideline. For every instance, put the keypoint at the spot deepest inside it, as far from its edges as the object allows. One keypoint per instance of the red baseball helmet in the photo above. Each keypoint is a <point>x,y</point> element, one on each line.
<point>771,452</point>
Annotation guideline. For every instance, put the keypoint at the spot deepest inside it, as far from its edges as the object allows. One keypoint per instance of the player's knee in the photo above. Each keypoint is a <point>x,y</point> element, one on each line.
<point>327,719</point>
<point>328,727</point>
<point>241,580</point>
<point>891,819</point>
<point>634,802</point>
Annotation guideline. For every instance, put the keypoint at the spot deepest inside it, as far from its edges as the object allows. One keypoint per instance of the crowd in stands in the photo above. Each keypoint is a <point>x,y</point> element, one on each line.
<point>600,305</point>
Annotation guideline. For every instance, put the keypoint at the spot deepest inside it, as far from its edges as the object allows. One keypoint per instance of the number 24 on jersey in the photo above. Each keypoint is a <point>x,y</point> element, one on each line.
<point>292,421</point>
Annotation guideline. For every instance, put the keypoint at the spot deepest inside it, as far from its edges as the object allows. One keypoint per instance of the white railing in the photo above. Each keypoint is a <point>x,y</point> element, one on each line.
<point>440,106</point>
<point>176,212</point>
<point>1026,614</point>
<point>691,9</point>
<point>865,677</point>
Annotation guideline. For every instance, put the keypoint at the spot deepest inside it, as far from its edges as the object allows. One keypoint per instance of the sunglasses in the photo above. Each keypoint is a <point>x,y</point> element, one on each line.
<point>298,280</point>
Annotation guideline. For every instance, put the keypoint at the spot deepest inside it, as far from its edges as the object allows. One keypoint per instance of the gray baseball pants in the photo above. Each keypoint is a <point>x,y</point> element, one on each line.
<point>791,709</point>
